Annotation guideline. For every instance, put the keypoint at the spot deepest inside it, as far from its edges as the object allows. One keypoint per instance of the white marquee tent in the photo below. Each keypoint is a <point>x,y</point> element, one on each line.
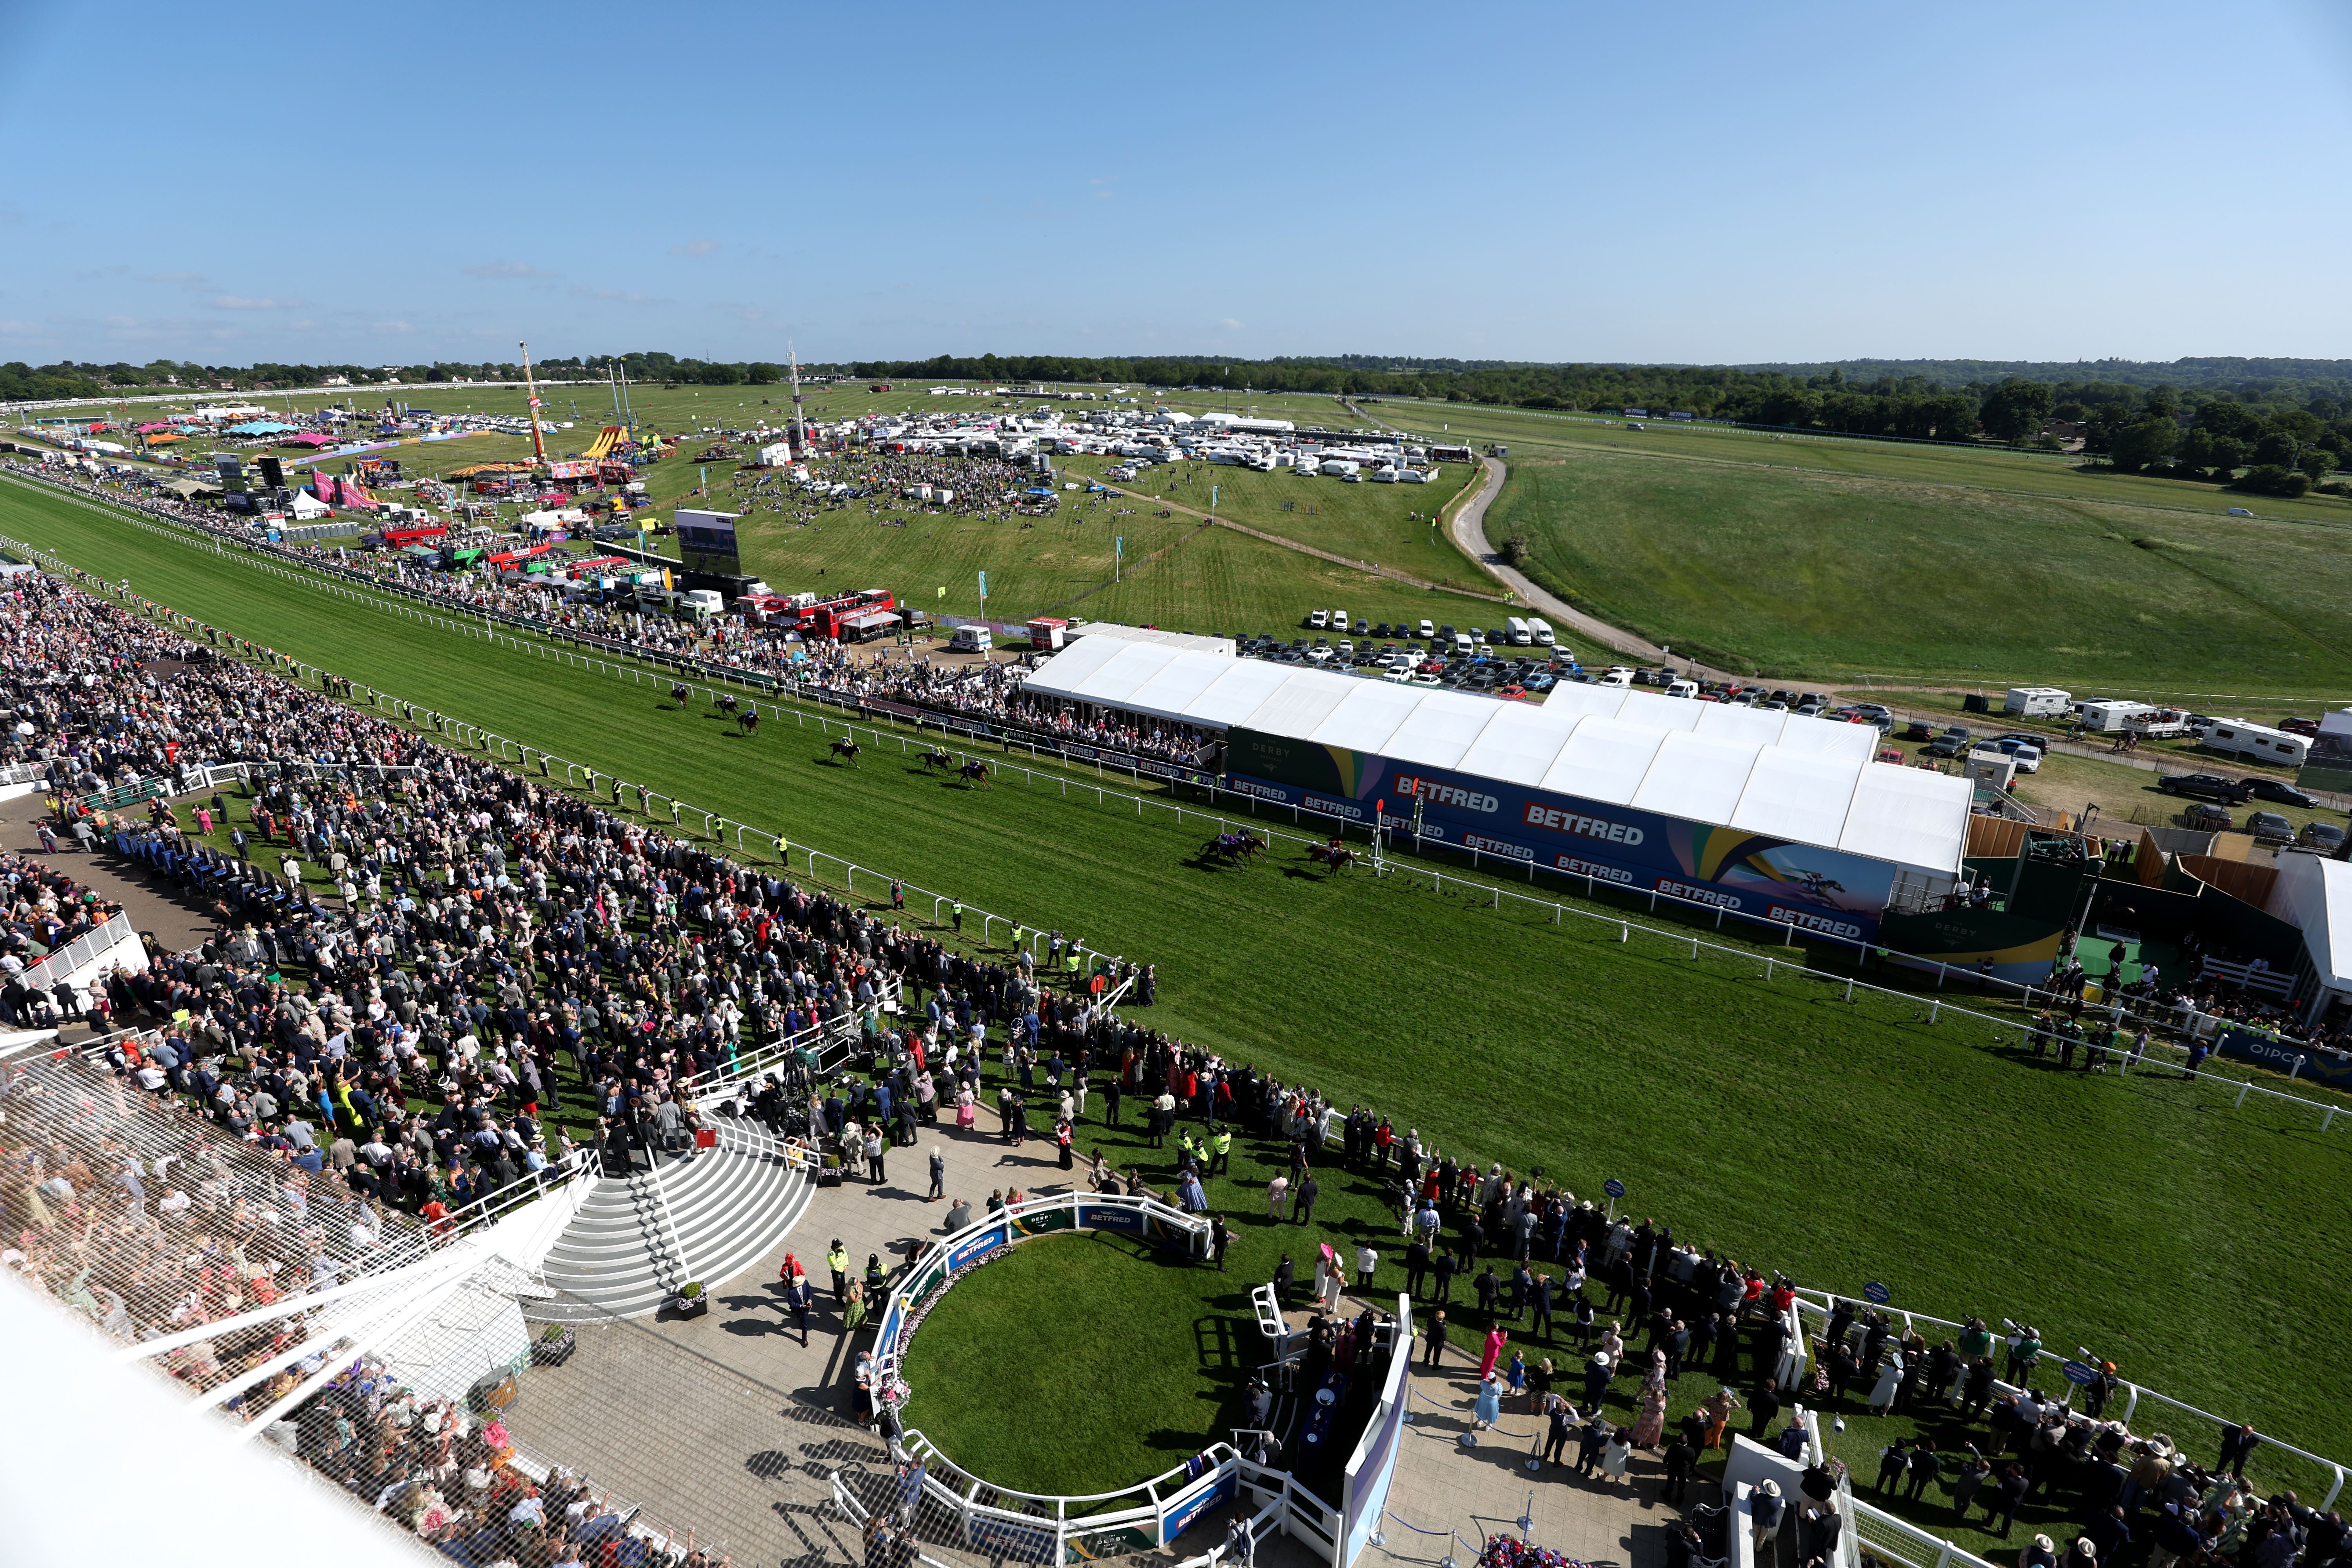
<point>1809,781</point>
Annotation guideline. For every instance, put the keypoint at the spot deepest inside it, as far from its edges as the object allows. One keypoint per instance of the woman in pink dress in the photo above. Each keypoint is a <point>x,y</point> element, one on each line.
<point>1652,1424</point>
<point>1494,1354</point>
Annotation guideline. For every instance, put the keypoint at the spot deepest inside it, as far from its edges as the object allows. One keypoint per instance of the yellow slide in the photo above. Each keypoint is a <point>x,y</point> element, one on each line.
<point>612,436</point>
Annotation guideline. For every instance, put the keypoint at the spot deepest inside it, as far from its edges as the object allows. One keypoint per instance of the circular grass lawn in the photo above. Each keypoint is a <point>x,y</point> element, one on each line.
<point>1083,1362</point>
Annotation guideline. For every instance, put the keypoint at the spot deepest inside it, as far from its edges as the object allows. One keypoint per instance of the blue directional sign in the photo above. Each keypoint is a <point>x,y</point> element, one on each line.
<point>2079,1372</point>
<point>1614,1188</point>
<point>1878,1293</point>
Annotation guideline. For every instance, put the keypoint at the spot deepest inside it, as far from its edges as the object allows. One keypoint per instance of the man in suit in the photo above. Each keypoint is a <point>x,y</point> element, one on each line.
<point>1437,1337</point>
<point>1588,1441</point>
<point>1416,1265</point>
<point>2238,1444</point>
<point>1561,1426</point>
<point>1682,1459</point>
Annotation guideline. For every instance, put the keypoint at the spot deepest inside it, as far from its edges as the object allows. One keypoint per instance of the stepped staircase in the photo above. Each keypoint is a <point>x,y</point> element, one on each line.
<point>636,1240</point>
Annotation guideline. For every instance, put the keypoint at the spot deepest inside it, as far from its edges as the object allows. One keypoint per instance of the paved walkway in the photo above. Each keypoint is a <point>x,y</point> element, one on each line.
<point>1440,1485</point>
<point>153,906</point>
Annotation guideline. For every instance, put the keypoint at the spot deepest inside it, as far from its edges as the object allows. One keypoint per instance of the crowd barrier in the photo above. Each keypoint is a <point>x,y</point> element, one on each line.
<point>1819,1304</point>
<point>114,944</point>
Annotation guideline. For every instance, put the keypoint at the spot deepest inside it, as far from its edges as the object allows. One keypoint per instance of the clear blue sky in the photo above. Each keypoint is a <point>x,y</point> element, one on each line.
<point>1696,181</point>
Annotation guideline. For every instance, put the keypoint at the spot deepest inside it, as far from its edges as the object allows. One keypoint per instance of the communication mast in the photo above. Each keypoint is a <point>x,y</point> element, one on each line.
<point>798,434</point>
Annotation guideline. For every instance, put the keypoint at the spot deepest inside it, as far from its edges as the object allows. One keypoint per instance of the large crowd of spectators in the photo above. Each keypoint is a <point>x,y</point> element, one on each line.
<point>986,694</point>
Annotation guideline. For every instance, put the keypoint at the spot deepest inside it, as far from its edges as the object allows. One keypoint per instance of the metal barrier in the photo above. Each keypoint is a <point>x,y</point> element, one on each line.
<point>2133,1393</point>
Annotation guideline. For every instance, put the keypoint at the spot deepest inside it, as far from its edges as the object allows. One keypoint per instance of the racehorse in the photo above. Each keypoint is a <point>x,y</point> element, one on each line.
<point>727,703</point>
<point>845,750</point>
<point>677,694</point>
<point>936,758</point>
<point>748,720</point>
<point>974,772</point>
<point>1232,847</point>
<point>1334,856</point>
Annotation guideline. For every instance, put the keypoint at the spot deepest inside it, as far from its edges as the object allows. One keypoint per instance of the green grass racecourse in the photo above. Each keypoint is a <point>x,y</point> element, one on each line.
<point>1838,560</point>
<point>2185,1239</point>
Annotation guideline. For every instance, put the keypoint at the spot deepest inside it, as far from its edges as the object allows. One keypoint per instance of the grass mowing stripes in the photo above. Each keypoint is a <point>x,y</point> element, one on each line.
<point>1841,1144</point>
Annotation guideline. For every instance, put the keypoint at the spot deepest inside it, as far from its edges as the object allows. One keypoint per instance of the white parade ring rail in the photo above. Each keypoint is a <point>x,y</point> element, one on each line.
<point>1149,1514</point>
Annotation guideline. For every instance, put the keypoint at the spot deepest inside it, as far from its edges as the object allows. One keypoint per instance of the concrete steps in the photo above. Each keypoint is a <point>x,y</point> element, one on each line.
<point>625,1252</point>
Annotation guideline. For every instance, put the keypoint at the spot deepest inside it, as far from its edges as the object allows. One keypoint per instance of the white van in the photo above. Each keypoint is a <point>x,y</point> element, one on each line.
<point>1617,675</point>
<point>969,639</point>
<point>1540,630</point>
<point>702,603</point>
<point>1464,645</point>
<point>1682,688</point>
<point>1318,620</point>
<point>1520,635</point>
<point>1338,620</point>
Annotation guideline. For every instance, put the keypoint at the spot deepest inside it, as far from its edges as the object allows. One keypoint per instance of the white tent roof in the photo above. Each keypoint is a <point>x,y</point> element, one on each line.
<point>1186,641</point>
<point>2316,895</point>
<point>1809,781</point>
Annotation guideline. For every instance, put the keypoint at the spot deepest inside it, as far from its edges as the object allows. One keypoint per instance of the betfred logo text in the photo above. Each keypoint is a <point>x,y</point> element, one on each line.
<point>1709,896</point>
<point>1496,847</point>
<point>1447,795</point>
<point>1595,869</point>
<point>1806,920</point>
<point>1559,820</point>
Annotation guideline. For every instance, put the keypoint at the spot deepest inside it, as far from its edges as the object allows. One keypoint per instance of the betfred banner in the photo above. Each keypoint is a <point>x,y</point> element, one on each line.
<point>1768,878</point>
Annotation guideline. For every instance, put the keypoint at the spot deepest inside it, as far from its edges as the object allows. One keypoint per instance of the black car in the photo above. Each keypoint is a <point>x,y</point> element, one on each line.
<point>2203,786</point>
<point>1950,744</point>
<point>2273,789</point>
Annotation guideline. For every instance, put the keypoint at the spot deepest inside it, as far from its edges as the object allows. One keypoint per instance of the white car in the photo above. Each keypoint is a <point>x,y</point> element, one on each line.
<point>1428,630</point>
<point>1397,672</point>
<point>1319,620</point>
<point>1338,620</point>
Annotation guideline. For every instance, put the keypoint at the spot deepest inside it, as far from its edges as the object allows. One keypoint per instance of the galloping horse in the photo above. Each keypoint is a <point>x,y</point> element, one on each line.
<point>748,720</point>
<point>1232,847</point>
<point>845,750</point>
<point>726,702</point>
<point>936,758</point>
<point>1334,856</point>
<point>677,694</point>
<point>974,772</point>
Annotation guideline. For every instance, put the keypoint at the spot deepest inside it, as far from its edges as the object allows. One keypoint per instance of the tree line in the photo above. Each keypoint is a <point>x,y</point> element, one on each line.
<point>2284,426</point>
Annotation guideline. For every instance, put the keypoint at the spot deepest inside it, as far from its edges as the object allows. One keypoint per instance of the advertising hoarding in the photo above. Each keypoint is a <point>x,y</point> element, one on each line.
<point>1756,874</point>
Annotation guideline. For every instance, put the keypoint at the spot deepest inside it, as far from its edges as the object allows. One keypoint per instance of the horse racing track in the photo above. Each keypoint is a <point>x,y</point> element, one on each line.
<point>1839,1142</point>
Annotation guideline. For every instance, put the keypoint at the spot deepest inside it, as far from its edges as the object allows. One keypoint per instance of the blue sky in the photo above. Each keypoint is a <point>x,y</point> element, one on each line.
<point>1715,183</point>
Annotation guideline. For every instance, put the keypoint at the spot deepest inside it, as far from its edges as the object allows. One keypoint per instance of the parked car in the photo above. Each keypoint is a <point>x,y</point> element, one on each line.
<point>1950,744</point>
<point>2275,789</point>
<point>2203,786</point>
<point>2028,756</point>
<point>1917,729</point>
<point>1319,620</point>
<point>2269,827</point>
<point>2324,836</point>
<point>2300,726</point>
<point>2207,816</point>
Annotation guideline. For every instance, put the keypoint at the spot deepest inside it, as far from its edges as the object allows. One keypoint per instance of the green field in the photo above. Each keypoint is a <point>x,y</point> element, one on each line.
<point>1834,560</point>
<point>1840,1142</point>
<point>1175,574</point>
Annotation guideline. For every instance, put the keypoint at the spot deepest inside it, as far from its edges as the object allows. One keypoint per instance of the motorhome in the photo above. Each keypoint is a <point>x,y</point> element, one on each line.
<point>969,639</point>
<point>2258,741</point>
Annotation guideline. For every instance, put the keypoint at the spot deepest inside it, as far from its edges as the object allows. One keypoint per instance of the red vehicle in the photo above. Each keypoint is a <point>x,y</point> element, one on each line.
<point>825,618</point>
<point>401,538</point>
<point>515,560</point>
